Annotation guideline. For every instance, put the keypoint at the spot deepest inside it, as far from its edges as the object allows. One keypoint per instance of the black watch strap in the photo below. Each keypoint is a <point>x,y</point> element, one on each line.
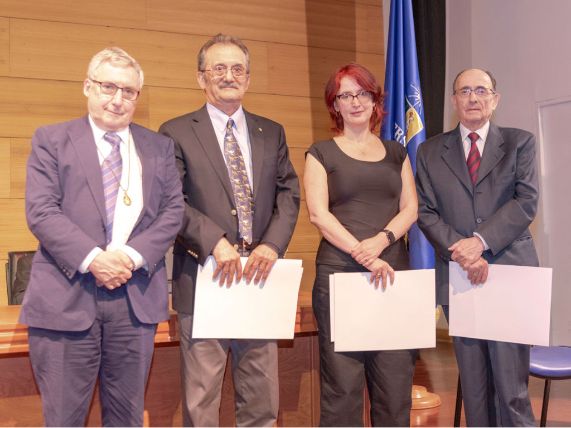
<point>390,236</point>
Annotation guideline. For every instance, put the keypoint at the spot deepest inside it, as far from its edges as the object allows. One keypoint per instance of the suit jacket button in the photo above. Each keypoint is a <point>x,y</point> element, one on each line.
<point>233,212</point>
<point>478,220</point>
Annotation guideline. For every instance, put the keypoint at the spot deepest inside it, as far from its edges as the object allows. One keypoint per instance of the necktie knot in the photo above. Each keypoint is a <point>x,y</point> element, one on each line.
<point>473,137</point>
<point>229,125</point>
<point>112,138</point>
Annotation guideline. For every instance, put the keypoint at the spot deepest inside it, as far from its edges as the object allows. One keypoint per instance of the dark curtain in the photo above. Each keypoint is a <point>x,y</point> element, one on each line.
<point>430,31</point>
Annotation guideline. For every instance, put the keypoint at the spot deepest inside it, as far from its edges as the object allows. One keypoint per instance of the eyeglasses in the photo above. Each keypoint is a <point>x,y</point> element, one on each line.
<point>479,91</point>
<point>110,89</point>
<point>220,70</point>
<point>362,96</point>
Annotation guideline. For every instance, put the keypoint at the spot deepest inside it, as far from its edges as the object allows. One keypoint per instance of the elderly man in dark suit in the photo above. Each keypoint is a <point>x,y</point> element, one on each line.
<point>478,194</point>
<point>105,202</point>
<point>242,199</point>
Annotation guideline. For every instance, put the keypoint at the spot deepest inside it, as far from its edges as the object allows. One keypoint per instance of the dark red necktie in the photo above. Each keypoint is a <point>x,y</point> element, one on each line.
<point>473,159</point>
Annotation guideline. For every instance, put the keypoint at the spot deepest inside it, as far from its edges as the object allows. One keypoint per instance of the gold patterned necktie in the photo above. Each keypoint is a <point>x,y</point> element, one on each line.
<point>240,184</point>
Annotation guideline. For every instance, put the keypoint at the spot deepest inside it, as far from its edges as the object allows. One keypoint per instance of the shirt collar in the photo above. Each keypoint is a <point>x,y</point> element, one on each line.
<point>220,119</point>
<point>98,133</point>
<point>482,132</point>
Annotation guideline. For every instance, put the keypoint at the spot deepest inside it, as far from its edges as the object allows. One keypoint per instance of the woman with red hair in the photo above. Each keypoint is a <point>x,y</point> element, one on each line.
<point>360,194</point>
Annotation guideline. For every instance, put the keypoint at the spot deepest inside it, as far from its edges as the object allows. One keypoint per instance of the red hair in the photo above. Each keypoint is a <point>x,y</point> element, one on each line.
<point>365,80</point>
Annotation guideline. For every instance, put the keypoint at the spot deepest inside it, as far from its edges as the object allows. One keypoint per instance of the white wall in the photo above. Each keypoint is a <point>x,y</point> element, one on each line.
<point>527,46</point>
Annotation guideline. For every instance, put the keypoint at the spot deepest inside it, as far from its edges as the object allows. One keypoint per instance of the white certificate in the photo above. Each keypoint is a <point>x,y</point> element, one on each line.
<point>247,311</point>
<point>513,305</point>
<point>402,316</point>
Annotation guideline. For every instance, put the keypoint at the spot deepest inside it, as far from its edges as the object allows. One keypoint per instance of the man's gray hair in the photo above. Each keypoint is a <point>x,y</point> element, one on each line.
<point>117,57</point>
<point>225,40</point>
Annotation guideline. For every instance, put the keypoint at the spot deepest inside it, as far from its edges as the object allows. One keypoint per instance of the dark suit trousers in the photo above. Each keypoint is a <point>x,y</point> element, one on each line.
<point>117,348</point>
<point>388,374</point>
<point>494,378</point>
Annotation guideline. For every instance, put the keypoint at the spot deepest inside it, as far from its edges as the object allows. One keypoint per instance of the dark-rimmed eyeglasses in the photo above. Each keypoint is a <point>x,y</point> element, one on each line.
<point>479,91</point>
<point>362,96</point>
<point>220,70</point>
<point>110,89</point>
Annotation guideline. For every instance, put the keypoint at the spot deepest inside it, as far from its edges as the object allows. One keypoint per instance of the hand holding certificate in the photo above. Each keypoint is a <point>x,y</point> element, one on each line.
<point>513,305</point>
<point>243,310</point>
<point>369,318</point>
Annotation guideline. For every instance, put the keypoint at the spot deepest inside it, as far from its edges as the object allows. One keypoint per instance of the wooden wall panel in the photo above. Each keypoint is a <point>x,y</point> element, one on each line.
<point>19,151</point>
<point>302,70</point>
<point>4,46</point>
<point>116,13</point>
<point>54,50</point>
<point>61,51</point>
<point>308,262</point>
<point>297,157</point>
<point>4,167</point>
<point>30,103</point>
<point>302,124</point>
<point>305,237</point>
<point>13,229</point>
<point>297,22</point>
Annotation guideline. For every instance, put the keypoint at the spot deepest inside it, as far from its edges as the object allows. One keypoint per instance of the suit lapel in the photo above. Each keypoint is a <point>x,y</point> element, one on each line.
<point>256,134</point>
<point>148,164</point>
<point>81,137</point>
<point>453,155</point>
<point>202,127</point>
<point>493,152</point>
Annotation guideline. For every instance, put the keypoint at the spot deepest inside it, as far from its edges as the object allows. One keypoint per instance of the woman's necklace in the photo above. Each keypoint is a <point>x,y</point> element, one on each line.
<point>126,198</point>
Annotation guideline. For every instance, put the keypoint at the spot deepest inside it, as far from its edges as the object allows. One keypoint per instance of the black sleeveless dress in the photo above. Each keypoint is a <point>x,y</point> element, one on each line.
<point>364,196</point>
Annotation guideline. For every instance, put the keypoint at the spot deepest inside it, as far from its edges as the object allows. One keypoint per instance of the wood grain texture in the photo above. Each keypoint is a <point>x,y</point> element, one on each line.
<point>5,159</point>
<point>123,13</point>
<point>297,22</point>
<point>20,149</point>
<point>30,103</point>
<point>13,229</point>
<point>4,46</point>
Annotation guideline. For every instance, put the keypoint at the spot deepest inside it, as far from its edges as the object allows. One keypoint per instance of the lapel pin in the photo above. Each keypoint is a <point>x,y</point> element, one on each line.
<point>260,129</point>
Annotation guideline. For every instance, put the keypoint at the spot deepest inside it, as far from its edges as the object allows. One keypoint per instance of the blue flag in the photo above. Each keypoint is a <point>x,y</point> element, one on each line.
<point>405,113</point>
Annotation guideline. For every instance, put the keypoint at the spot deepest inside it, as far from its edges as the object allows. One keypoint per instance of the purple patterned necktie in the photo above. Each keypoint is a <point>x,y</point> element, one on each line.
<point>473,159</point>
<point>111,169</point>
<point>239,181</point>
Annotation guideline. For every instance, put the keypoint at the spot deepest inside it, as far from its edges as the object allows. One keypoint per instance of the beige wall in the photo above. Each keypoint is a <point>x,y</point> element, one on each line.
<point>295,45</point>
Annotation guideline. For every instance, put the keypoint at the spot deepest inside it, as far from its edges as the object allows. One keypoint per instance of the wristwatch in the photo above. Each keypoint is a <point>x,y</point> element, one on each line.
<point>390,236</point>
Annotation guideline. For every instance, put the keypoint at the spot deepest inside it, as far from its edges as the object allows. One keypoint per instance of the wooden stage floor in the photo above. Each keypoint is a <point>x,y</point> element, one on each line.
<point>436,369</point>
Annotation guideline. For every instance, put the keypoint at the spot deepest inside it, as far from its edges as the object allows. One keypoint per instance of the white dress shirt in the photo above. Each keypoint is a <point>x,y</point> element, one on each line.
<point>467,143</point>
<point>131,183</point>
<point>219,120</point>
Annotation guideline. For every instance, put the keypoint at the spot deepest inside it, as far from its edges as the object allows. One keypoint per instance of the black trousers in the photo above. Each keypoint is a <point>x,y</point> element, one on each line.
<point>387,374</point>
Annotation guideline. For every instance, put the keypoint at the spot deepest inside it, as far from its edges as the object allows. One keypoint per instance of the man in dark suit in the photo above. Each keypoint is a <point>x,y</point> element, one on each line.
<point>105,202</point>
<point>478,194</point>
<point>242,199</point>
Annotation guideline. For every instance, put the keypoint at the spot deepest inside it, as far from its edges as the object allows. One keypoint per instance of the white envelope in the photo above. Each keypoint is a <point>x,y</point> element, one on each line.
<point>403,316</point>
<point>513,305</point>
<point>265,310</point>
